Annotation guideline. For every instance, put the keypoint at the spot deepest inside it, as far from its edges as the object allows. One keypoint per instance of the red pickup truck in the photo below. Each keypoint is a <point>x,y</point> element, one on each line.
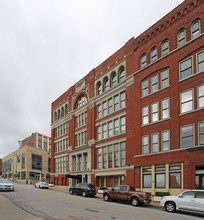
<point>127,193</point>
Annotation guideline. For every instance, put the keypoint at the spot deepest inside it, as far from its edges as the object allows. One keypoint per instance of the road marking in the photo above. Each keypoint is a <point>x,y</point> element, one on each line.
<point>91,204</point>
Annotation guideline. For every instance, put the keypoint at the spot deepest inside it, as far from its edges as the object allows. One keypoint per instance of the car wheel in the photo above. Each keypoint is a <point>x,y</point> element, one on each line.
<point>106,197</point>
<point>70,192</point>
<point>170,206</point>
<point>134,201</point>
<point>84,194</point>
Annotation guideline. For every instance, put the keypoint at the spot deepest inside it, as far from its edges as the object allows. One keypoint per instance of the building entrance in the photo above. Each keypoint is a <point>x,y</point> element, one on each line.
<point>199,178</point>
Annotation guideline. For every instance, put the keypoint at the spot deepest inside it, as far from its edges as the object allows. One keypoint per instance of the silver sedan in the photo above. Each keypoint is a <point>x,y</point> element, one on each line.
<point>41,184</point>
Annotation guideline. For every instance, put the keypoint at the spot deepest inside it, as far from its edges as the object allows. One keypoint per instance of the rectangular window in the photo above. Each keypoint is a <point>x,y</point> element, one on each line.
<point>110,106</point>
<point>23,161</point>
<point>104,108</point>
<point>201,133</point>
<point>122,100</point>
<point>155,112</point>
<point>116,103</point>
<point>99,158</point>
<point>186,68</point>
<point>104,157</point>
<point>201,96</point>
<point>147,180</point>
<point>175,180</point>
<point>165,108</point>
<point>165,140</point>
<point>145,87</point>
<point>187,101</point>
<point>123,154</point>
<point>110,155</point>
<point>36,162</point>
<point>165,78</point>
<point>116,126</point>
<point>145,115</point>
<point>160,180</point>
<point>104,131</point>
<point>110,129</point>
<point>200,60</point>
<point>23,175</point>
<point>116,155</point>
<point>145,143</point>
<point>99,111</point>
<point>187,136</point>
<point>49,164</point>
<point>123,124</point>
<point>154,81</point>
<point>155,143</point>
<point>99,132</point>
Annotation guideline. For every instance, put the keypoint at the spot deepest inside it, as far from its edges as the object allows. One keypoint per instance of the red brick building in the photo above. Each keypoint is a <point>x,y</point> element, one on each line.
<point>138,118</point>
<point>37,140</point>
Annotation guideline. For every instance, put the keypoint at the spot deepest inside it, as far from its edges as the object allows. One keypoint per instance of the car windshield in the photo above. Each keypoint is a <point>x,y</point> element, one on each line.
<point>4,181</point>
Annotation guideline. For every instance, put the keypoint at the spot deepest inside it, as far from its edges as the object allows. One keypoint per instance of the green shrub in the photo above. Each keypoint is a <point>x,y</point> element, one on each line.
<point>162,194</point>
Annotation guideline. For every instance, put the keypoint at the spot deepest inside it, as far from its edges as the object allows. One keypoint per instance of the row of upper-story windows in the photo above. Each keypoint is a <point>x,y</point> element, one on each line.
<point>186,139</point>
<point>61,112</point>
<point>62,145</point>
<point>81,139</point>
<point>109,82</point>
<point>158,81</point>
<point>187,99</point>
<point>195,32</point>
<point>81,119</point>
<point>186,66</point>
<point>61,164</point>
<point>165,112</point>
<point>61,130</point>
<point>111,105</point>
<point>80,162</point>
<point>113,127</point>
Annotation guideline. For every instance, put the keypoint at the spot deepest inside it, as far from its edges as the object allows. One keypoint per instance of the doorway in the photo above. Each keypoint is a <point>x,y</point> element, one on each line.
<point>199,177</point>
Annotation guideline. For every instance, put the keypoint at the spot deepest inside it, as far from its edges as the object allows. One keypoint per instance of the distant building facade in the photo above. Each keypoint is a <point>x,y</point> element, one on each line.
<point>138,118</point>
<point>28,163</point>
<point>37,140</point>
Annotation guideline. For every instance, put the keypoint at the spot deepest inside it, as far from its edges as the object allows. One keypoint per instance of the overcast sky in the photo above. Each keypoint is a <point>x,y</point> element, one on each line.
<point>46,46</point>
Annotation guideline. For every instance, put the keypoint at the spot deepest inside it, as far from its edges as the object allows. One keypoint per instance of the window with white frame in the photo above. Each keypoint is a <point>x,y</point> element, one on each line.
<point>165,141</point>
<point>145,115</point>
<point>99,111</point>
<point>122,75</point>
<point>165,47</point>
<point>155,143</point>
<point>201,133</point>
<point>110,128</point>
<point>165,108</point>
<point>147,178</point>
<point>110,106</point>
<point>99,158</point>
<point>201,96</point>
<point>200,61</point>
<point>187,101</point>
<point>116,155</point>
<point>145,87</point>
<point>123,124</point>
<point>175,176</point>
<point>187,136</point>
<point>153,54</point>
<point>155,112</point>
<point>99,89</point>
<point>116,103</point>
<point>104,150</point>
<point>99,132</point>
<point>186,68</point>
<point>154,83</point>
<point>106,85</point>
<point>160,177</point>
<point>114,80</point>
<point>116,126</point>
<point>165,78</point>
<point>104,128</point>
<point>123,154</point>
<point>104,108</point>
<point>181,38</point>
<point>195,29</point>
<point>143,60</point>
<point>110,156</point>
<point>145,144</point>
<point>122,100</point>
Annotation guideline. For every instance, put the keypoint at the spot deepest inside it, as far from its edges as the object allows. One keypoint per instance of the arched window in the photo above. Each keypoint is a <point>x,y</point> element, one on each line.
<point>181,37</point>
<point>165,47</point>
<point>66,109</point>
<point>81,101</point>
<point>195,29</point>
<point>58,114</point>
<point>122,75</point>
<point>114,80</point>
<point>62,112</point>
<point>143,60</point>
<point>106,84</point>
<point>55,116</point>
<point>99,89</point>
<point>154,54</point>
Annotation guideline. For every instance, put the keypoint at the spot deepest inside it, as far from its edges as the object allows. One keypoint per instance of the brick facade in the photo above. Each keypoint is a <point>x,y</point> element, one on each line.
<point>138,118</point>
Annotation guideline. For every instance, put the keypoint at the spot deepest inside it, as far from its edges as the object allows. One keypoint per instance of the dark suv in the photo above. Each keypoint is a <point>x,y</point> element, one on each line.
<point>84,189</point>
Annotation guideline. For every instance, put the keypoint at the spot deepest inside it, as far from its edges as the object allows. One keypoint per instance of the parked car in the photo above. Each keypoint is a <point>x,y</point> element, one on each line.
<point>84,189</point>
<point>41,184</point>
<point>190,200</point>
<point>6,184</point>
<point>127,193</point>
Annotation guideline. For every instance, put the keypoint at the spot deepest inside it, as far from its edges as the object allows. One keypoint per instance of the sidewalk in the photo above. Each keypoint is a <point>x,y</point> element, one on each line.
<point>98,195</point>
<point>9,211</point>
